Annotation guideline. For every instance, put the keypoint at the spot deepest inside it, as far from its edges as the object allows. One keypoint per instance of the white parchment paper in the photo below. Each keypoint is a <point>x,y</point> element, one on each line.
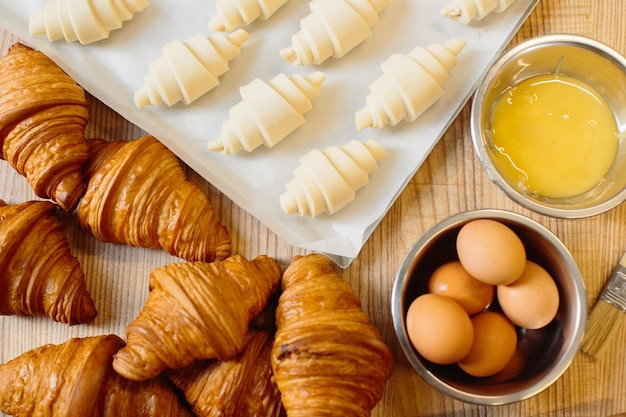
<point>112,69</point>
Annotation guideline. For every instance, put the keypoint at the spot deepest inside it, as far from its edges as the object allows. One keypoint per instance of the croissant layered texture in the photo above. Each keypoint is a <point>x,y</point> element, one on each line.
<point>232,13</point>
<point>239,387</point>
<point>188,70</point>
<point>268,112</point>
<point>327,358</point>
<point>38,273</point>
<point>43,114</point>
<point>195,311</point>
<point>138,194</point>
<point>76,379</point>
<point>409,85</point>
<point>85,21</point>
<point>327,180</point>
<point>332,29</point>
<point>464,11</point>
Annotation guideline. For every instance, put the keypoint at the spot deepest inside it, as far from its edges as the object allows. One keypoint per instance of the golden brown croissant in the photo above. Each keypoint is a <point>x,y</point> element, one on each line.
<point>38,273</point>
<point>194,311</point>
<point>328,359</point>
<point>239,387</point>
<point>75,379</point>
<point>138,194</point>
<point>43,114</point>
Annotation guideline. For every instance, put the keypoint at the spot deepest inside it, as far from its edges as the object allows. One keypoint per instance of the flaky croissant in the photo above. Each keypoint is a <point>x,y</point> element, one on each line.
<point>38,273</point>
<point>75,379</point>
<point>239,387</point>
<point>194,311</point>
<point>138,194</point>
<point>327,358</point>
<point>43,114</point>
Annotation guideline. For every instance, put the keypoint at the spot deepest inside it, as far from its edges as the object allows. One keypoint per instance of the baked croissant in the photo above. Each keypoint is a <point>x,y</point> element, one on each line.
<point>332,29</point>
<point>232,13</point>
<point>327,358</point>
<point>196,310</point>
<point>43,114</point>
<point>75,379</point>
<point>38,273</point>
<point>239,387</point>
<point>138,194</point>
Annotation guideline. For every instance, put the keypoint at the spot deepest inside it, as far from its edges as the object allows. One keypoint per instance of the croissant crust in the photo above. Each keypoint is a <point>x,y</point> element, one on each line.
<point>75,379</point>
<point>240,387</point>
<point>38,273</point>
<point>327,358</point>
<point>196,310</point>
<point>138,194</point>
<point>43,114</point>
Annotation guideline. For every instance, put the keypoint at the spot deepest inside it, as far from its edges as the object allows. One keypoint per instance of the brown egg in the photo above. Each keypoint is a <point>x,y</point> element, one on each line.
<point>495,341</point>
<point>491,251</point>
<point>532,301</point>
<point>452,280</point>
<point>439,328</point>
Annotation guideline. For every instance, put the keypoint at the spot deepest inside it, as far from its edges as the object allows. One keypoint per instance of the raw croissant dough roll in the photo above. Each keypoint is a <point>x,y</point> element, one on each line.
<point>464,11</point>
<point>84,20</point>
<point>232,13</point>
<point>75,378</point>
<point>333,28</point>
<point>328,359</point>
<point>38,273</point>
<point>196,310</point>
<point>43,114</point>
<point>241,386</point>
<point>188,70</point>
<point>410,84</point>
<point>327,180</point>
<point>268,112</point>
<point>138,194</point>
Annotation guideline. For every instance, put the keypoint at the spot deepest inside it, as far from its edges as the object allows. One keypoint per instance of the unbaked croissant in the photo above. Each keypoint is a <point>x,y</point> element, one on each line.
<point>38,273</point>
<point>138,194</point>
<point>188,70</point>
<point>43,114</point>
<point>196,310</point>
<point>327,358</point>
<point>333,28</point>
<point>409,84</point>
<point>232,13</point>
<point>75,379</point>
<point>240,387</point>
<point>464,11</point>
<point>85,21</point>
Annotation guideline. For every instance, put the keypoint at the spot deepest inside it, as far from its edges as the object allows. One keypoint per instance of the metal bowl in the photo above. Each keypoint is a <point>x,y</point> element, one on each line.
<point>541,356</point>
<point>583,58</point>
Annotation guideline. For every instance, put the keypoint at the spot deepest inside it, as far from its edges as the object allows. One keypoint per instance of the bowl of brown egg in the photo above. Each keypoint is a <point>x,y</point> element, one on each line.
<point>489,307</point>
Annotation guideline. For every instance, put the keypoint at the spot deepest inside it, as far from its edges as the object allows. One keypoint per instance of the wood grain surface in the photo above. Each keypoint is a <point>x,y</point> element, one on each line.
<point>450,181</point>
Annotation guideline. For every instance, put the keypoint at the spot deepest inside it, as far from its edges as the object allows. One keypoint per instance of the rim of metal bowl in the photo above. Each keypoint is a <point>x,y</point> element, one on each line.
<point>477,134</point>
<point>398,314</point>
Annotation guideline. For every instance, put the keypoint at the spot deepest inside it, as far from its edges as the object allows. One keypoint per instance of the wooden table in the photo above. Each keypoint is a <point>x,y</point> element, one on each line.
<point>451,180</point>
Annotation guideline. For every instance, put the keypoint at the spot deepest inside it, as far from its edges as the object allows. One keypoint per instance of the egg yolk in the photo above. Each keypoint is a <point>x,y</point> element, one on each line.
<point>554,136</point>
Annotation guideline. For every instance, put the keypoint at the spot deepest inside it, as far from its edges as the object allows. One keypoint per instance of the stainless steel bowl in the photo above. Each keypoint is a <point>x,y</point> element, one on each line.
<point>585,59</point>
<point>542,355</point>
